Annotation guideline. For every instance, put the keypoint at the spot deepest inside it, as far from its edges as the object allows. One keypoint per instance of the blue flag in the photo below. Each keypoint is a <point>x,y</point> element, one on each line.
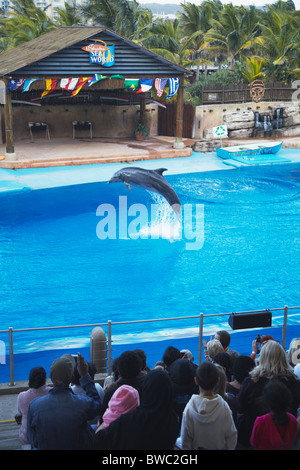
<point>13,84</point>
<point>173,87</point>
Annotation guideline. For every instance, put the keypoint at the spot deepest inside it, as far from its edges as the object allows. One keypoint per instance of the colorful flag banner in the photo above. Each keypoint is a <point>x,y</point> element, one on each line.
<point>13,84</point>
<point>173,87</point>
<point>82,82</point>
<point>50,86</point>
<point>146,85</point>
<point>96,79</point>
<point>160,84</point>
<point>68,83</point>
<point>27,83</point>
<point>131,84</point>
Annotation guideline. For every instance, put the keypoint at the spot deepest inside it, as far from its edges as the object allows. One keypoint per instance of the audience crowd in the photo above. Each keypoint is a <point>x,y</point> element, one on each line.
<point>228,402</point>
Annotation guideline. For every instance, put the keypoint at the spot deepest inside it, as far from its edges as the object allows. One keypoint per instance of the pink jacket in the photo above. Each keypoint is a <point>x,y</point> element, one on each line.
<point>125,399</point>
<point>23,401</point>
<point>266,435</point>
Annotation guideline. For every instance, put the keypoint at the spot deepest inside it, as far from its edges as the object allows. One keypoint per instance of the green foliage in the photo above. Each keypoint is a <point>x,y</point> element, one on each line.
<point>249,42</point>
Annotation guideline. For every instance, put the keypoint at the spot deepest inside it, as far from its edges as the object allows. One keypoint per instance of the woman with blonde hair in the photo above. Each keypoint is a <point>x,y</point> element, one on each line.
<point>273,364</point>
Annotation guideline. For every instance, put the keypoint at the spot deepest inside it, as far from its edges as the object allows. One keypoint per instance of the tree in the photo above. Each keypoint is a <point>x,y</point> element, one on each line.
<point>24,22</point>
<point>279,42</point>
<point>234,31</point>
<point>127,18</point>
<point>69,15</point>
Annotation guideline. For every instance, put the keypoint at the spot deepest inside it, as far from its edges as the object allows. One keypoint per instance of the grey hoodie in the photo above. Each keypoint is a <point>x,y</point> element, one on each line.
<point>207,423</point>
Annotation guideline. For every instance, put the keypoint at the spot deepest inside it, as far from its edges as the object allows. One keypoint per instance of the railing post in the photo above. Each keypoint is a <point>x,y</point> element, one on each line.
<point>109,365</point>
<point>11,356</point>
<point>200,339</point>
<point>284,326</point>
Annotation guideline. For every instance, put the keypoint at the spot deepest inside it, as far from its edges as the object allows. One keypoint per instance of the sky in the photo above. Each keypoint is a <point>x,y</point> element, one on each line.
<point>257,3</point>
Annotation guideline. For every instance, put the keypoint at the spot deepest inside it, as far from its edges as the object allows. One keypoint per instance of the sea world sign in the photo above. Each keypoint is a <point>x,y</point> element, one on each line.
<point>101,54</point>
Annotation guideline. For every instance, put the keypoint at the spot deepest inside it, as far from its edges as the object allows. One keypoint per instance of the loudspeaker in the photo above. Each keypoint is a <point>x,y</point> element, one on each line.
<point>241,321</point>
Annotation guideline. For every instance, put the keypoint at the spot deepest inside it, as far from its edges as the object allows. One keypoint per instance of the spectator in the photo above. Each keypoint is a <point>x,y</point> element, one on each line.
<point>276,430</point>
<point>182,374</point>
<point>143,357</point>
<point>293,353</point>
<point>78,389</point>
<point>37,388</point>
<point>220,389</point>
<point>212,348</point>
<point>114,375</point>
<point>59,420</point>
<point>224,337</point>
<point>240,370</point>
<point>160,365</point>
<point>151,426</point>
<point>186,354</point>
<point>170,355</point>
<point>207,421</point>
<point>272,365</point>
<point>129,367</point>
<point>124,399</point>
<point>224,360</point>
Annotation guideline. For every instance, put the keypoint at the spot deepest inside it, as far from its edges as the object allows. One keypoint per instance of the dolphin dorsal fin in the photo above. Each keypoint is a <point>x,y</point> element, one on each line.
<point>161,170</point>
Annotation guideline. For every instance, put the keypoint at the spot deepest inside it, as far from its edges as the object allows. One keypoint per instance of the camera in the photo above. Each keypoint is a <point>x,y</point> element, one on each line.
<point>257,339</point>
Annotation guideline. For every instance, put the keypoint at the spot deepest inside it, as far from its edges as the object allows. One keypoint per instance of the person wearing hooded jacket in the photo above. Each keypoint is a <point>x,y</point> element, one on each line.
<point>207,421</point>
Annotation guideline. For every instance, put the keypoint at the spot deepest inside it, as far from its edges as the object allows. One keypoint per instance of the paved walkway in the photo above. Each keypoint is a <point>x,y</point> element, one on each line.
<point>65,152</point>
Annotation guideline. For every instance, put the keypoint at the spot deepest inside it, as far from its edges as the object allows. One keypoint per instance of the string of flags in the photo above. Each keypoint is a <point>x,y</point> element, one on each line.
<point>75,85</point>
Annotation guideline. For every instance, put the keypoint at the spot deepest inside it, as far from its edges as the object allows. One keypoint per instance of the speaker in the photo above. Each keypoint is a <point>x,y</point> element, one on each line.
<point>241,321</point>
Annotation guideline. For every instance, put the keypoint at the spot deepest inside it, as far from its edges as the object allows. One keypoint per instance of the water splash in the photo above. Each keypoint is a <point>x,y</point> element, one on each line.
<point>163,223</point>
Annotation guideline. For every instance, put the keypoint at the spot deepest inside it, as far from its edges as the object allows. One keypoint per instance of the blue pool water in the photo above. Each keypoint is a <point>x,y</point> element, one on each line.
<point>56,271</point>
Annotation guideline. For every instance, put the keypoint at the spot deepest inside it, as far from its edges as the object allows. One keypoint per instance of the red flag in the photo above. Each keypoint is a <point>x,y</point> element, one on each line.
<point>81,83</point>
<point>50,86</point>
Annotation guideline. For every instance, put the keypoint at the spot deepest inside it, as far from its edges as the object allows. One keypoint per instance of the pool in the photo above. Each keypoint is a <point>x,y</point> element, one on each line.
<point>56,270</point>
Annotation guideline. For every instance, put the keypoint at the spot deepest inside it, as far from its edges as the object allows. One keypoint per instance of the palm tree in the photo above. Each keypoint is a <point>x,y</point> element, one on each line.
<point>69,15</point>
<point>24,22</point>
<point>280,43</point>
<point>234,31</point>
<point>194,21</point>
<point>125,17</point>
<point>253,69</point>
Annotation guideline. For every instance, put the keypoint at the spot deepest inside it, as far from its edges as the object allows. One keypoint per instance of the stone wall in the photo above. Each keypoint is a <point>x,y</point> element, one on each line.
<point>240,119</point>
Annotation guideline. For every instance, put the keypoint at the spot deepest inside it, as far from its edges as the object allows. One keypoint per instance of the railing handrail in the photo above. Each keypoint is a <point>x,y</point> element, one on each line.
<point>85,325</point>
<point>110,323</point>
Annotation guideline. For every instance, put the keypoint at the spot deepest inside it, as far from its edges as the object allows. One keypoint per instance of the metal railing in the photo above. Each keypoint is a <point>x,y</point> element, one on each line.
<point>109,324</point>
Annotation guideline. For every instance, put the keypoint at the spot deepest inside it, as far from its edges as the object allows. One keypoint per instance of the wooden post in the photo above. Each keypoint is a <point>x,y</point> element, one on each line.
<point>8,121</point>
<point>142,110</point>
<point>179,116</point>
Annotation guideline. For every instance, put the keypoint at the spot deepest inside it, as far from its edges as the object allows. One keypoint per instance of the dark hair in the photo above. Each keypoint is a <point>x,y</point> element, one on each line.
<point>277,397</point>
<point>170,355</point>
<point>241,367</point>
<point>37,377</point>
<point>224,360</point>
<point>143,357</point>
<point>129,365</point>
<point>207,375</point>
<point>224,338</point>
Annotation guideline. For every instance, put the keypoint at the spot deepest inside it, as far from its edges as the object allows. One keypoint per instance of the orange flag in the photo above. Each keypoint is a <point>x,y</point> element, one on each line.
<point>81,83</point>
<point>50,86</point>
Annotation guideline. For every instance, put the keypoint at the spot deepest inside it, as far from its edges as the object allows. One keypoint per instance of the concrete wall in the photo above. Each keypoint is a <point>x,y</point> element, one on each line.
<point>240,118</point>
<point>108,121</point>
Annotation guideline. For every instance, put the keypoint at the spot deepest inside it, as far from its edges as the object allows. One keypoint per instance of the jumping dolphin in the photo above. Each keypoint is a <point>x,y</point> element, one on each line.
<point>152,180</point>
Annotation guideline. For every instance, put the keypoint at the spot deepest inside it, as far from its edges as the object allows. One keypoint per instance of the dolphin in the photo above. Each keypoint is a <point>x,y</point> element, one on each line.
<point>152,180</point>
